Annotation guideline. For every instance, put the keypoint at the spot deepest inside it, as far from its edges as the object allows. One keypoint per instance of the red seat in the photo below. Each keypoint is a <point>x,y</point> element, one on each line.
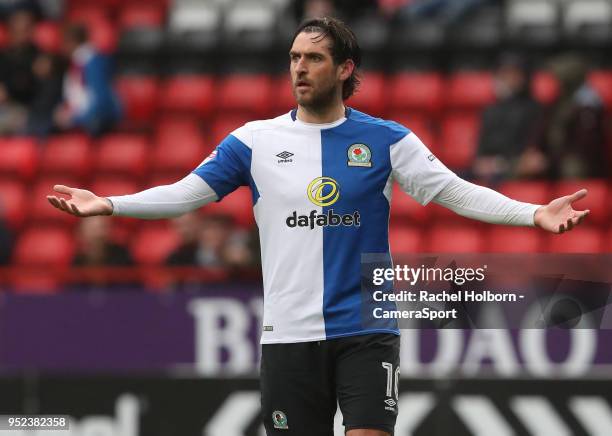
<point>246,94</point>
<point>69,154</point>
<point>153,243</point>
<point>283,100</point>
<point>602,82</point>
<point>19,157</point>
<point>404,208</point>
<point>459,141</point>
<point>103,36</point>
<point>470,90</point>
<point>139,94</point>
<point>597,199</point>
<point>176,151</point>
<point>44,251</point>
<point>544,87</point>
<point>187,93</point>
<point>536,192</point>
<point>454,239</point>
<point>12,202</point>
<point>224,125</point>
<point>416,91</point>
<point>141,14</point>
<point>3,36</point>
<point>370,96</point>
<point>405,239</point>
<point>88,13</point>
<point>39,209</point>
<point>108,186</point>
<point>421,127</point>
<point>506,239</point>
<point>47,36</point>
<point>238,205</point>
<point>579,240</point>
<point>122,154</point>
<point>607,248</point>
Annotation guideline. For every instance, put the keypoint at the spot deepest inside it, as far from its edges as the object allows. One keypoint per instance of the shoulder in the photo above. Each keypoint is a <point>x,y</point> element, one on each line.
<point>245,133</point>
<point>393,131</point>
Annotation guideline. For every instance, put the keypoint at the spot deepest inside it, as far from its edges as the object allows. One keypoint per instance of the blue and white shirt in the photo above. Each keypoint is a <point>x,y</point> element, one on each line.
<point>321,198</point>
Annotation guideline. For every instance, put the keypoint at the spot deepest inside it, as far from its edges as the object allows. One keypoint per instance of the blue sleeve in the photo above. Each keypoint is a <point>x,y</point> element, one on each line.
<point>228,167</point>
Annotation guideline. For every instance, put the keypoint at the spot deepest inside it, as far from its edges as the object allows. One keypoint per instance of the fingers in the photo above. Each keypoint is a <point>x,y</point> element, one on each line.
<point>578,195</point>
<point>62,189</point>
<point>63,205</point>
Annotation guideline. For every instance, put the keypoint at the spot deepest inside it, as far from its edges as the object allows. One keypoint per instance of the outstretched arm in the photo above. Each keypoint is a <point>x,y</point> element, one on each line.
<point>484,204</point>
<point>164,201</point>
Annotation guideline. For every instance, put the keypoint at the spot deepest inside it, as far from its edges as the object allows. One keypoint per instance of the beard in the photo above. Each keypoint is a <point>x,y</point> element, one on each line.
<point>318,99</point>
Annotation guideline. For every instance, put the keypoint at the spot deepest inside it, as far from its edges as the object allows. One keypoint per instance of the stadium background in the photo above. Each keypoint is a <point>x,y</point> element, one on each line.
<point>127,351</point>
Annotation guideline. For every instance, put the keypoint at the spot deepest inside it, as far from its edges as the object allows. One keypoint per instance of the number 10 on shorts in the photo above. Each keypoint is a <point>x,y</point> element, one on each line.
<point>392,380</point>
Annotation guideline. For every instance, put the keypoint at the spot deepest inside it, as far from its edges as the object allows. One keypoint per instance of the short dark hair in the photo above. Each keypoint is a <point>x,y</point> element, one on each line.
<point>344,46</point>
<point>76,32</point>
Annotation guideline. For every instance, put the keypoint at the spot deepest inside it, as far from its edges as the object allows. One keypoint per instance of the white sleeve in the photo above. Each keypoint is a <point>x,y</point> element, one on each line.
<point>484,204</point>
<point>419,173</point>
<point>165,201</point>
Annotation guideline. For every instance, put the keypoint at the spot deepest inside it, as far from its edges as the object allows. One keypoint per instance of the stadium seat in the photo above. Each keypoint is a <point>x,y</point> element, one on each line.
<point>104,36</point>
<point>238,205</point>
<point>416,91</point>
<point>422,127</point>
<point>107,186</point>
<point>537,192</point>
<point>246,94</point>
<point>405,240</point>
<point>405,209</point>
<point>153,243</point>
<point>597,199</point>
<point>47,36</point>
<point>506,239</point>
<point>283,100</point>
<point>139,95</point>
<point>124,154</point>
<point>12,202</point>
<point>40,211</point>
<point>370,96</point>
<point>19,157</point>
<point>459,140</point>
<point>454,239</point>
<point>544,87</point>
<point>250,25</point>
<point>532,21</point>
<point>601,80</point>
<point>470,90</point>
<point>588,21</point>
<point>580,240</point>
<point>88,13</point>
<point>188,93</point>
<point>177,151</point>
<point>3,36</point>
<point>141,14</point>
<point>44,251</point>
<point>68,154</point>
<point>194,16</point>
<point>224,125</point>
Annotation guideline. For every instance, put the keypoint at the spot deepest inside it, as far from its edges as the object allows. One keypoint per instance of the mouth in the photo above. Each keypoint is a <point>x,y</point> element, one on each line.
<point>302,84</point>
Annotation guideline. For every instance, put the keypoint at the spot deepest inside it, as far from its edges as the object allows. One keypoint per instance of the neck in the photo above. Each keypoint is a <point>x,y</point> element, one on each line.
<point>324,115</point>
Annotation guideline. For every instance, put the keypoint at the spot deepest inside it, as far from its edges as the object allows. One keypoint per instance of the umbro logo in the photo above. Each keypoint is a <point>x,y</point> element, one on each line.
<point>390,401</point>
<point>285,157</point>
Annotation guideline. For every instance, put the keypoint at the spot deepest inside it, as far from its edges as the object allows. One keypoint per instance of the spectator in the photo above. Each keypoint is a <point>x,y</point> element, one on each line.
<point>509,125</point>
<point>89,102</point>
<point>209,241</point>
<point>48,70</point>
<point>6,243</point>
<point>572,137</point>
<point>17,79</point>
<point>96,249</point>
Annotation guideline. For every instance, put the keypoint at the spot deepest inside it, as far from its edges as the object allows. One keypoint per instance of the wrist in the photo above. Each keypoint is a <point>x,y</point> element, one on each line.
<point>109,203</point>
<point>537,216</point>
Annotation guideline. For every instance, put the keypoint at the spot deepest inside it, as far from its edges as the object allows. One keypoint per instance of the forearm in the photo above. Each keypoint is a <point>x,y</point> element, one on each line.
<point>484,204</point>
<point>165,201</point>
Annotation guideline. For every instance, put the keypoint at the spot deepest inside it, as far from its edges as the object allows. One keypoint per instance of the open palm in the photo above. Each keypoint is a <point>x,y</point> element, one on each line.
<point>81,203</point>
<point>559,216</point>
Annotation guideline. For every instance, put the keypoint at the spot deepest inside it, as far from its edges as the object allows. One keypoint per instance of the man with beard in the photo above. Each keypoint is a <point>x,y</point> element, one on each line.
<point>321,344</point>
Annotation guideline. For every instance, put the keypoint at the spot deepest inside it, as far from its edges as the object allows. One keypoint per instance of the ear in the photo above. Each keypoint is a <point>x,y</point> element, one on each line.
<point>346,69</point>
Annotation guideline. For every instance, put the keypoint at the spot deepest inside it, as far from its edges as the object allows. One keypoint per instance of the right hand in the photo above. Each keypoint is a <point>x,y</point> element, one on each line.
<point>81,202</point>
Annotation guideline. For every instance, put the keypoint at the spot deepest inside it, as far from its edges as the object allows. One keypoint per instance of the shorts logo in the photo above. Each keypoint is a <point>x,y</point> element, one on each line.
<point>280,420</point>
<point>323,191</point>
<point>390,401</point>
<point>359,155</point>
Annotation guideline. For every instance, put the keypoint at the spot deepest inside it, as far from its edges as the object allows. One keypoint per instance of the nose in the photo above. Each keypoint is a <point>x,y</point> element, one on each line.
<point>301,66</point>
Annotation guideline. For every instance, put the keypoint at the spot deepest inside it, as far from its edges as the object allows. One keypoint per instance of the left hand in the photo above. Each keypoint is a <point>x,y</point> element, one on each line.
<point>558,216</point>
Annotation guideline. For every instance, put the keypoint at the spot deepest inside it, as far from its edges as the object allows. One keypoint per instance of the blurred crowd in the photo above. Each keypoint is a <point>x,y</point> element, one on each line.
<point>43,93</point>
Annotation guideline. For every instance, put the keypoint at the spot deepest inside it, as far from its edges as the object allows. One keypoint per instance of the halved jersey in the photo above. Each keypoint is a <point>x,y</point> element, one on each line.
<point>321,197</point>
